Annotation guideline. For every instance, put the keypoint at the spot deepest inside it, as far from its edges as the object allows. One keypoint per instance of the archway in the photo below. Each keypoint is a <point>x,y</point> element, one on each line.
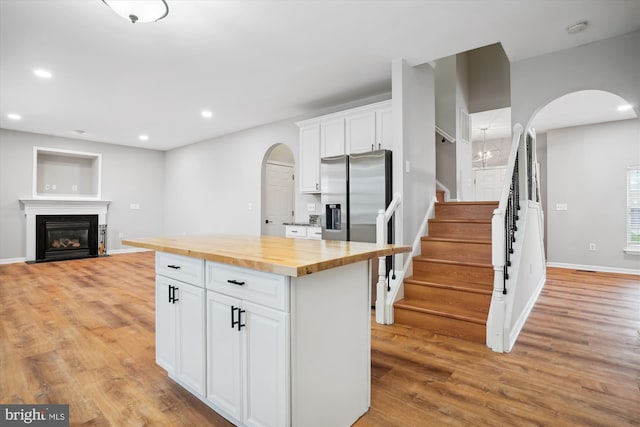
<point>586,141</point>
<point>278,194</point>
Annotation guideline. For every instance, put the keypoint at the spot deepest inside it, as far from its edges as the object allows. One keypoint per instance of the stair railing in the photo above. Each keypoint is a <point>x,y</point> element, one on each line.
<point>383,287</point>
<point>505,217</point>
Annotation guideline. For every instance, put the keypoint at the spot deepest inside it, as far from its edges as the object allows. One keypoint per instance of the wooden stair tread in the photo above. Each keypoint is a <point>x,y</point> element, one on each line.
<point>455,240</point>
<point>462,220</point>
<point>452,284</point>
<point>446,261</point>
<point>473,203</point>
<point>442,309</point>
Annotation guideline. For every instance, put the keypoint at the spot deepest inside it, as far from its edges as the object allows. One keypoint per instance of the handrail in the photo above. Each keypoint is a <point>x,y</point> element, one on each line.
<point>503,223</point>
<point>382,287</point>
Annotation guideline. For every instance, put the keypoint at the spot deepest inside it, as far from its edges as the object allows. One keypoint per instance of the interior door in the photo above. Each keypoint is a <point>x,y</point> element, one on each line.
<point>278,198</point>
<point>488,183</point>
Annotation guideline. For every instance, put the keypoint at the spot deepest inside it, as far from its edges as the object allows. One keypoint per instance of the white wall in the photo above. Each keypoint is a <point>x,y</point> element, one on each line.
<point>586,169</point>
<point>610,65</point>
<point>129,175</point>
<point>414,122</point>
<point>489,81</point>
<point>215,186</point>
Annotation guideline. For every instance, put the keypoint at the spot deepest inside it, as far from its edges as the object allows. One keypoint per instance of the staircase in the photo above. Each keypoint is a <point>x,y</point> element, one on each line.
<point>450,290</point>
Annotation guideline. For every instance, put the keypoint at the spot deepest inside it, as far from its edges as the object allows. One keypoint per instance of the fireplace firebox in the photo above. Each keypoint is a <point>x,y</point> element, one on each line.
<point>61,237</point>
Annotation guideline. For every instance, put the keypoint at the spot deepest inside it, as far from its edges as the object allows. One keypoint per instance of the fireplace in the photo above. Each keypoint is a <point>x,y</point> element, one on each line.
<point>61,237</point>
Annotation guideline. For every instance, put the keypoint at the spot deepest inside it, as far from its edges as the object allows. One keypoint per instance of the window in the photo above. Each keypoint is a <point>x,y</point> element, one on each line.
<point>633,209</point>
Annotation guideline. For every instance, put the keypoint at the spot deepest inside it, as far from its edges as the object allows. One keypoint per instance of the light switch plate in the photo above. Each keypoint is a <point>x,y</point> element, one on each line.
<point>311,207</point>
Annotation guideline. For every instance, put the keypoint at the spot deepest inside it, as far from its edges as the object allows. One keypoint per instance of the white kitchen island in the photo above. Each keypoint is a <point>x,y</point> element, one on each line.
<point>267,331</point>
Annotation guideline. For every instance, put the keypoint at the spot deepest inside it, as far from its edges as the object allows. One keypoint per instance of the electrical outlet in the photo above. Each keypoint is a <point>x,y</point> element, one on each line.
<point>561,207</point>
<point>74,187</point>
<point>592,246</point>
<point>120,235</point>
<point>47,187</point>
<point>134,206</point>
<point>311,207</point>
<point>53,186</point>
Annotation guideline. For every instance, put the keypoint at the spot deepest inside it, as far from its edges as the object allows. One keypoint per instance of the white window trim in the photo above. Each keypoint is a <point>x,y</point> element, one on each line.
<point>631,248</point>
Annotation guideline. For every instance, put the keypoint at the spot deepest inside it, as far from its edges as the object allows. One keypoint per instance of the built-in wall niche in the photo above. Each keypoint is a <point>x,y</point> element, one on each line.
<point>64,174</point>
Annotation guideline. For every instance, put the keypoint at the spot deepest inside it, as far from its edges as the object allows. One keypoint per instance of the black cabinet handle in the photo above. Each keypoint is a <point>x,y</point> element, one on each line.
<point>235,282</point>
<point>172,294</point>
<point>240,324</point>
<point>175,267</point>
<point>233,318</point>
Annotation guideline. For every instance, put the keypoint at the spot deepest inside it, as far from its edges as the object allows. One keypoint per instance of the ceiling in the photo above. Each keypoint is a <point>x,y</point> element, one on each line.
<point>250,62</point>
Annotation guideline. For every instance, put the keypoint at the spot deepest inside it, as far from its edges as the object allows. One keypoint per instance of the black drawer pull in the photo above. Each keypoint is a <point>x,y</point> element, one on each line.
<point>175,267</point>
<point>235,282</point>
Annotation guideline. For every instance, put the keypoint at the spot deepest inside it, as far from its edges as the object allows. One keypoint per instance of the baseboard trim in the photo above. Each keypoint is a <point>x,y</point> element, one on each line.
<point>594,268</point>
<point>12,260</point>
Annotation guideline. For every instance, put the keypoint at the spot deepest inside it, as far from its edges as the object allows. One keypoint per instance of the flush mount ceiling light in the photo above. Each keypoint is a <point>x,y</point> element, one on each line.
<point>143,137</point>
<point>207,114</point>
<point>577,27</point>
<point>139,11</point>
<point>42,73</point>
<point>625,107</point>
<point>14,116</point>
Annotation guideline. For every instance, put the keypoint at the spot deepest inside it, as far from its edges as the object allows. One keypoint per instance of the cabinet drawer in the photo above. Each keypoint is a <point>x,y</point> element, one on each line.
<point>314,233</point>
<point>268,289</point>
<point>296,231</point>
<point>179,267</point>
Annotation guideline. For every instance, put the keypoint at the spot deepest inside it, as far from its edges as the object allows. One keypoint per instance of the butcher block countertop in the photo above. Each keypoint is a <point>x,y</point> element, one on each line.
<point>289,257</point>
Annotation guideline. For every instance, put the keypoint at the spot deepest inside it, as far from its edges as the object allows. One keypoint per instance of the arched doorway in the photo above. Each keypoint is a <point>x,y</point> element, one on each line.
<point>278,197</point>
<point>586,141</point>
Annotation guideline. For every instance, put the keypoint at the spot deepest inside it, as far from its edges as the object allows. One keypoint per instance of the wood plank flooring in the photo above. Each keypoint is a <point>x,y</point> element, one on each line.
<point>82,332</point>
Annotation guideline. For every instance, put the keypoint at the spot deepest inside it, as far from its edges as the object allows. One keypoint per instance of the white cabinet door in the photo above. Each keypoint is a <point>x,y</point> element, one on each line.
<point>384,122</point>
<point>190,335</point>
<point>332,138</point>
<point>361,132</point>
<point>266,367</point>
<point>165,326</point>
<point>310,159</point>
<point>224,387</point>
<point>180,331</point>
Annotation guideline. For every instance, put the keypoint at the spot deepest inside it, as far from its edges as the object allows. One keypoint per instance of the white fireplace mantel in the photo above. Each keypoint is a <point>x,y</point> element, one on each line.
<point>58,206</point>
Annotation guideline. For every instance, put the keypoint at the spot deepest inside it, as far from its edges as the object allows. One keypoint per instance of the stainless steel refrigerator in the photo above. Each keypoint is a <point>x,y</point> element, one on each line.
<point>354,189</point>
<point>369,191</point>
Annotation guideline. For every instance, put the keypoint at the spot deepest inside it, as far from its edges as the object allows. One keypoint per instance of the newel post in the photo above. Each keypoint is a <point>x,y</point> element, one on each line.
<point>497,312</point>
<point>381,287</point>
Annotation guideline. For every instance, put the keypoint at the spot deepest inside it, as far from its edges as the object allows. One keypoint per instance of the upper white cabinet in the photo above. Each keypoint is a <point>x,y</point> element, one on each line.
<point>310,158</point>
<point>384,122</point>
<point>332,137</point>
<point>361,132</point>
<point>356,130</point>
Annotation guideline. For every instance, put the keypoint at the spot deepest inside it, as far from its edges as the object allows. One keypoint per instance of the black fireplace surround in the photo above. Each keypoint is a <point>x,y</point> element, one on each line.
<point>61,237</point>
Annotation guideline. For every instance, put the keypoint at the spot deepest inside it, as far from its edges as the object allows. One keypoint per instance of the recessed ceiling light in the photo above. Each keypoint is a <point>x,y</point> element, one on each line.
<point>625,107</point>
<point>42,73</point>
<point>207,114</point>
<point>143,137</point>
<point>577,27</point>
<point>14,116</point>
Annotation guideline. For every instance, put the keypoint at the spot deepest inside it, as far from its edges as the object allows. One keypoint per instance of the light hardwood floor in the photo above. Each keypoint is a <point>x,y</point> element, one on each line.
<point>82,332</point>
